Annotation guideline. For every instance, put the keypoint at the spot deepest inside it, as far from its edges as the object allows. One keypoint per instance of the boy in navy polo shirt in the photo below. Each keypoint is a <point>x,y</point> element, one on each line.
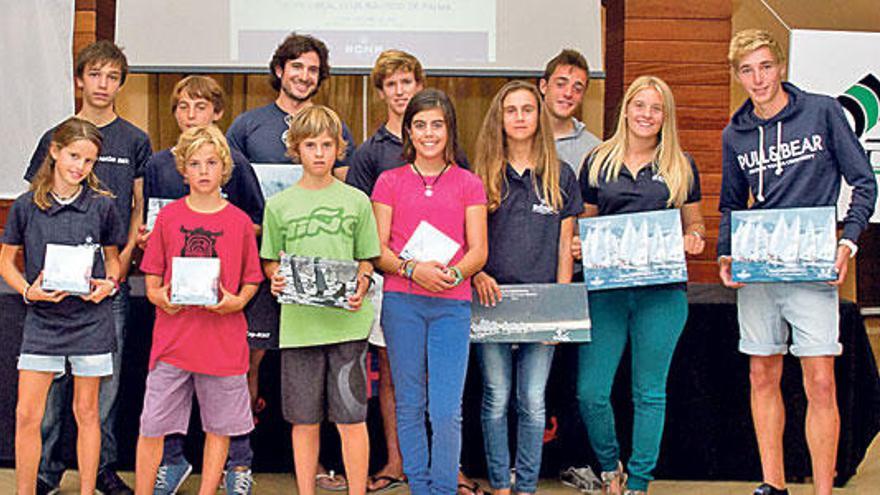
<point>198,101</point>
<point>779,117</point>
<point>100,72</point>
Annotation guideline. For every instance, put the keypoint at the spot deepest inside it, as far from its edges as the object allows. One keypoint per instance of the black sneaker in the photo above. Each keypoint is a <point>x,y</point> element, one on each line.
<point>44,488</point>
<point>109,483</point>
<point>767,489</point>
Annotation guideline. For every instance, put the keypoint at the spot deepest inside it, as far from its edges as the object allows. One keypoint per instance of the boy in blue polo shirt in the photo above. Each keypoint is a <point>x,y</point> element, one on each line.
<point>100,72</point>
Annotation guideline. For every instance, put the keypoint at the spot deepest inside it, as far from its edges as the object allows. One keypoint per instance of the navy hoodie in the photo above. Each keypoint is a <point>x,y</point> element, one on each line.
<point>794,159</point>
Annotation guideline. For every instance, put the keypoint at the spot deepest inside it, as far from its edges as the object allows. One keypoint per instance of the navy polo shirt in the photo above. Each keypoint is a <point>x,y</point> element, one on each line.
<point>162,180</point>
<point>524,230</point>
<point>647,191</point>
<point>381,152</point>
<point>124,154</point>
<point>261,136</point>
<point>72,326</point>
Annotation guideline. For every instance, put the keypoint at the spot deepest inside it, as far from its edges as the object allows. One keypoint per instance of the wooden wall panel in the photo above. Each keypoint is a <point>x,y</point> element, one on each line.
<point>670,29</point>
<point>684,43</point>
<point>680,51</point>
<point>681,11</point>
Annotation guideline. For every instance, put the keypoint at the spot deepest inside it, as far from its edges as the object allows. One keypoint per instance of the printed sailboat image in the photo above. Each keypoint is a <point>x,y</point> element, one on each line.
<point>783,245</point>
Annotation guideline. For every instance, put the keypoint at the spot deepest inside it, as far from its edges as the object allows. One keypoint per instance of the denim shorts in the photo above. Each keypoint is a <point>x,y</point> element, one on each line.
<point>805,311</point>
<point>92,365</point>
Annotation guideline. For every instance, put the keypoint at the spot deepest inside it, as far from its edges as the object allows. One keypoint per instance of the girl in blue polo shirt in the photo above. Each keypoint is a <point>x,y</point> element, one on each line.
<point>641,168</point>
<point>66,207</point>
<point>533,202</point>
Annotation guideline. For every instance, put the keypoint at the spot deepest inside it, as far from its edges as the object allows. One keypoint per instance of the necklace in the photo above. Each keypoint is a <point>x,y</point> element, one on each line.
<point>429,188</point>
<point>65,200</point>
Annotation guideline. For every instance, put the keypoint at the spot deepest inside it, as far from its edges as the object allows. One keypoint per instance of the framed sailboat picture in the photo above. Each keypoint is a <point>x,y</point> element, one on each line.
<point>276,177</point>
<point>317,281</point>
<point>784,245</point>
<point>533,313</point>
<point>633,249</point>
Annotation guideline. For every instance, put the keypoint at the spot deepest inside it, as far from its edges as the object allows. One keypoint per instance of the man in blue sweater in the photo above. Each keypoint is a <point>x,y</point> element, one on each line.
<point>789,148</point>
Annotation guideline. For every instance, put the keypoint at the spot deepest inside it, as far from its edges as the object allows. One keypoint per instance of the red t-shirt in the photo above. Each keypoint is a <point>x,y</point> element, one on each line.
<point>195,339</point>
<point>454,191</point>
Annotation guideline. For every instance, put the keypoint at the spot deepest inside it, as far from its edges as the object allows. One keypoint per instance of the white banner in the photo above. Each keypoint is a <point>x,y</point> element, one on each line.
<point>845,65</point>
<point>37,82</point>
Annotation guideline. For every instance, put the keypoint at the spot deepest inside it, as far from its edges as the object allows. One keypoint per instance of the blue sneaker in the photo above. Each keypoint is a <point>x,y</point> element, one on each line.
<point>239,481</point>
<point>170,477</point>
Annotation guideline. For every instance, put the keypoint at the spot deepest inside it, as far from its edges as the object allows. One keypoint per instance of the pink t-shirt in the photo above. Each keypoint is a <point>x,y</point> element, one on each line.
<point>402,189</point>
<point>196,339</point>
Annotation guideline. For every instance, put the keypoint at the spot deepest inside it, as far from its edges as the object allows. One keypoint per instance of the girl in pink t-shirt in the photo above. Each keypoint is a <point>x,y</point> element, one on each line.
<point>431,216</point>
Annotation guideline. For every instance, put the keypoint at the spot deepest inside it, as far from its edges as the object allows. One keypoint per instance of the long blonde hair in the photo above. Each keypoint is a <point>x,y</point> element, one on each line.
<point>669,159</point>
<point>492,158</point>
<point>67,132</point>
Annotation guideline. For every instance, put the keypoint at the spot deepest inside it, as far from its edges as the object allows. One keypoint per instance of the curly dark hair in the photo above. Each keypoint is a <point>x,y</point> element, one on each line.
<point>292,48</point>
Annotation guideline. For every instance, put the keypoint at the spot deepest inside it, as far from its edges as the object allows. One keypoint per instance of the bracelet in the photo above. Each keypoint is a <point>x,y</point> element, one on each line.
<point>456,272</point>
<point>410,269</point>
<point>401,266</point>
<point>24,295</point>
<point>698,235</point>
<point>369,278</point>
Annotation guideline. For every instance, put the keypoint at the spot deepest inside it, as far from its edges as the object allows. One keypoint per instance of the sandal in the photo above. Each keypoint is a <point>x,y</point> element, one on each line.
<point>331,481</point>
<point>609,478</point>
<point>390,483</point>
<point>465,489</point>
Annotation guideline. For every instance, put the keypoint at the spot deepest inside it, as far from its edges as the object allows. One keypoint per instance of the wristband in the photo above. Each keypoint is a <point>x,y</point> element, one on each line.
<point>456,272</point>
<point>409,269</point>
<point>698,235</point>
<point>369,278</point>
<point>24,295</point>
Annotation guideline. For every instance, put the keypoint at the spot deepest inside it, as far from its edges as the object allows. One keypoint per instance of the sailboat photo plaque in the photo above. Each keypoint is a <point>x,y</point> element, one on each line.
<point>784,245</point>
<point>533,313</point>
<point>318,281</point>
<point>633,250</point>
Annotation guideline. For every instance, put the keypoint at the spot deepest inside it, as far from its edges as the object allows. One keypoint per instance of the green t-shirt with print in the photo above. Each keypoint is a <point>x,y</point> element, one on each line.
<point>335,222</point>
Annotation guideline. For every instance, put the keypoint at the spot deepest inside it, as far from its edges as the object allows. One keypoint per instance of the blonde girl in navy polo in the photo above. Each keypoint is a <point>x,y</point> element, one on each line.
<point>65,206</point>
<point>641,168</point>
<point>533,204</point>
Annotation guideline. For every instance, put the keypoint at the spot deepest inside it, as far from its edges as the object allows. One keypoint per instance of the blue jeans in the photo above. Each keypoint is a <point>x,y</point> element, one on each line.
<point>428,344</point>
<point>58,403</point>
<point>652,320</point>
<point>497,363</point>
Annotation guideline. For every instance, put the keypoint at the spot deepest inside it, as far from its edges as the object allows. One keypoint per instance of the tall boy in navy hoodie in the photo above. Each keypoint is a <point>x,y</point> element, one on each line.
<point>789,148</point>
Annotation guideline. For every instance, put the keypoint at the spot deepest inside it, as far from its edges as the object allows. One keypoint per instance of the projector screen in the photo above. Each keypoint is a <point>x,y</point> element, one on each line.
<point>452,36</point>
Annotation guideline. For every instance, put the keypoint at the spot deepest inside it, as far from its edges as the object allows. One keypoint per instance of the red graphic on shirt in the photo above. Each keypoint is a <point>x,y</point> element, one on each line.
<point>199,243</point>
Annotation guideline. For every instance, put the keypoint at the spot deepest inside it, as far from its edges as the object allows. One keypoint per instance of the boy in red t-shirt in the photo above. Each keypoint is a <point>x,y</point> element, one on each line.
<point>201,349</point>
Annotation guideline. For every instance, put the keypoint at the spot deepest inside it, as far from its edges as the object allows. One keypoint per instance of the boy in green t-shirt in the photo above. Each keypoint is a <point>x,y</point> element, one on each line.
<point>323,355</point>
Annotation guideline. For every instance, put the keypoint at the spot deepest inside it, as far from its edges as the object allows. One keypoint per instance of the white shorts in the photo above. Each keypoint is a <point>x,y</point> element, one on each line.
<point>809,309</point>
<point>377,337</point>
